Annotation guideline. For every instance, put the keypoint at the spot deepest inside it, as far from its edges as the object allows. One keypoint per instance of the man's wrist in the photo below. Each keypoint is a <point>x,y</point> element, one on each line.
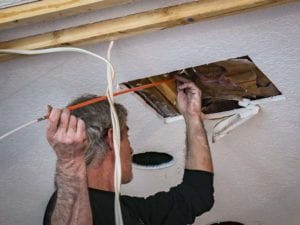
<point>75,167</point>
<point>193,119</point>
<point>79,159</point>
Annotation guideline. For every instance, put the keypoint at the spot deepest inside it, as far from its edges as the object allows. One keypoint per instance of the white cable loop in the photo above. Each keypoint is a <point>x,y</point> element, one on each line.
<point>114,117</point>
<point>46,51</point>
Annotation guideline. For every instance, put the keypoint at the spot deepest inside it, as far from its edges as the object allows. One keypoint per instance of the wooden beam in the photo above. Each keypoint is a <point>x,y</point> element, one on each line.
<point>49,10</point>
<point>138,23</point>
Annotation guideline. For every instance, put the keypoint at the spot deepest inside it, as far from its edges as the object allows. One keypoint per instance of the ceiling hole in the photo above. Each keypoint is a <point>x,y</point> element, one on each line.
<point>152,160</point>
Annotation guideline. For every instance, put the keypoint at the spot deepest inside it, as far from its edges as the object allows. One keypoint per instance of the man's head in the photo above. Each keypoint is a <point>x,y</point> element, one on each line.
<point>98,122</point>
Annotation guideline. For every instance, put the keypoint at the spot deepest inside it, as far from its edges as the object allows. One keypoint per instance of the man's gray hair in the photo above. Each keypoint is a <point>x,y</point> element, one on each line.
<point>97,122</point>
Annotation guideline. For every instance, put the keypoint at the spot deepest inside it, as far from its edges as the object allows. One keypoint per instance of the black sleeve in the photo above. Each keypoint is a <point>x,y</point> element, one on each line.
<point>49,210</point>
<point>181,204</point>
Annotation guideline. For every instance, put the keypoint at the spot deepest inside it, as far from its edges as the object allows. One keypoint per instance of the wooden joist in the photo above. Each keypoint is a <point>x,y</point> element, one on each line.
<point>49,10</point>
<point>138,23</point>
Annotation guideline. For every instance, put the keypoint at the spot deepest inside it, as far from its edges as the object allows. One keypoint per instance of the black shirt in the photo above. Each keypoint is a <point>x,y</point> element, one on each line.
<point>179,206</point>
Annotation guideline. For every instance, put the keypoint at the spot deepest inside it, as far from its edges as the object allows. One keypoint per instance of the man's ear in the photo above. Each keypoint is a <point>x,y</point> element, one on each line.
<point>110,139</point>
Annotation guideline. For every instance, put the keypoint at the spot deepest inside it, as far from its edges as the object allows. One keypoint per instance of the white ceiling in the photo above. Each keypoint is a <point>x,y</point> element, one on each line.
<point>256,166</point>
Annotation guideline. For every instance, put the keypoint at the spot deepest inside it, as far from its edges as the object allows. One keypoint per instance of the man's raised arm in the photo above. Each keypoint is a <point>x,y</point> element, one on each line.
<point>198,155</point>
<point>67,136</point>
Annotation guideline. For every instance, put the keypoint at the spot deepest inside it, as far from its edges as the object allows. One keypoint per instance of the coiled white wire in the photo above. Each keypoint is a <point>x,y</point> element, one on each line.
<point>114,117</point>
<point>47,51</point>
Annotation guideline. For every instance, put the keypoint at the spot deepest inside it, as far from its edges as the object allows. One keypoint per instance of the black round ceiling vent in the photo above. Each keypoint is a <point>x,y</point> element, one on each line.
<point>152,160</point>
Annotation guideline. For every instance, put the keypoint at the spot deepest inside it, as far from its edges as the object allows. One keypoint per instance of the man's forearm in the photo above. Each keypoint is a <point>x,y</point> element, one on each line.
<point>72,203</point>
<point>198,156</point>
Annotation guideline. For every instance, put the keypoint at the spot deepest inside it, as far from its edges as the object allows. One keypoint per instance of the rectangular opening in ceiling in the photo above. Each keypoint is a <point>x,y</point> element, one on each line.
<point>223,84</point>
<point>11,3</point>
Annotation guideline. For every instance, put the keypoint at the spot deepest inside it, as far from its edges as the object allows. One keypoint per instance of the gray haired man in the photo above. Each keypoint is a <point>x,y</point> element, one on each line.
<point>83,142</point>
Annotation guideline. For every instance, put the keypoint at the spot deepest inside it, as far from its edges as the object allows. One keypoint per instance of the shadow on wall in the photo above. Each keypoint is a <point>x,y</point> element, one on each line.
<point>227,223</point>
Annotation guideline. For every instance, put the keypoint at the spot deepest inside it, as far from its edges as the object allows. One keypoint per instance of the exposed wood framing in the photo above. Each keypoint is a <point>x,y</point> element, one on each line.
<point>138,23</point>
<point>50,9</point>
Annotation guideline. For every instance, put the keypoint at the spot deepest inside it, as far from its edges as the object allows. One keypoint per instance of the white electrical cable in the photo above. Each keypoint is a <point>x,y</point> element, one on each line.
<point>46,51</point>
<point>19,128</point>
<point>116,138</point>
<point>228,124</point>
<point>114,116</point>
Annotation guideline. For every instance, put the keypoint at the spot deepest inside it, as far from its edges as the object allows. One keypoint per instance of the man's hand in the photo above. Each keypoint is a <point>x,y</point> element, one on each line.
<point>198,155</point>
<point>66,134</point>
<point>188,98</point>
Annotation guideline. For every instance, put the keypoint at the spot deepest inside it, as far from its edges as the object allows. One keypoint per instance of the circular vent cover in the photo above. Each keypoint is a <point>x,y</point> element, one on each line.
<point>152,160</point>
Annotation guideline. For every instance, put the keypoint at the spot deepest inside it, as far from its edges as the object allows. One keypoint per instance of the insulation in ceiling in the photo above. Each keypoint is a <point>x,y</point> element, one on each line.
<point>223,84</point>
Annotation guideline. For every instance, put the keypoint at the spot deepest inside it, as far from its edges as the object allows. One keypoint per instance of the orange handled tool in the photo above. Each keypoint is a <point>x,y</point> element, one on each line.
<point>101,98</point>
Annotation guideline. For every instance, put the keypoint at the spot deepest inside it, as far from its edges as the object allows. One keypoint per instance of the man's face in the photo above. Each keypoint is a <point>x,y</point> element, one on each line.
<point>126,157</point>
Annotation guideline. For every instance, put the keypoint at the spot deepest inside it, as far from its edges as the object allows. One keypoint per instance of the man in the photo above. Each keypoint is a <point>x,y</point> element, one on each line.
<point>83,143</point>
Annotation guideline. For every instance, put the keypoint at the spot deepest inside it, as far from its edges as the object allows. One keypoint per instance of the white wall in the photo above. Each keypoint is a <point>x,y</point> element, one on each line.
<point>256,166</point>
